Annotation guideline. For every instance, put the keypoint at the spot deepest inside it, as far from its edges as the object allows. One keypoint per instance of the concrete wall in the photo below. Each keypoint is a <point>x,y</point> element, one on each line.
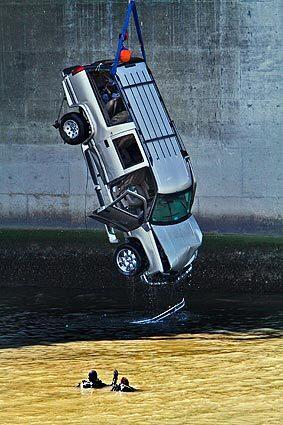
<point>218,67</point>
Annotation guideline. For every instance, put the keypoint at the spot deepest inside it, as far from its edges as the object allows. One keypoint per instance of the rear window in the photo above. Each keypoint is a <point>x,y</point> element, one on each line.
<point>128,150</point>
<point>110,98</point>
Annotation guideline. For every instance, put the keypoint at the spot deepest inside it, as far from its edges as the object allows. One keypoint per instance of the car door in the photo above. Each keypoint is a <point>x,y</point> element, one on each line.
<point>119,218</point>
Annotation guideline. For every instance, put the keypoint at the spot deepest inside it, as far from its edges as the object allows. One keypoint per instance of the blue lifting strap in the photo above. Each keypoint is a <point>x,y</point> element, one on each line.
<point>130,10</point>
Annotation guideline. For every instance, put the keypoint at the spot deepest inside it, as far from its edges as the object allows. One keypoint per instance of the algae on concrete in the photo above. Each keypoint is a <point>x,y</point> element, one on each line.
<point>51,258</point>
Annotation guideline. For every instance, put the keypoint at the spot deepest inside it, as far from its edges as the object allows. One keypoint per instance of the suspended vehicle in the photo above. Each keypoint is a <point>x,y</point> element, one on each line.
<point>133,150</point>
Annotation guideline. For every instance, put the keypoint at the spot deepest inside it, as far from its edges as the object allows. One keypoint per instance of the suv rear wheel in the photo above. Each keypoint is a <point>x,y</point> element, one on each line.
<point>73,128</point>
<point>128,259</point>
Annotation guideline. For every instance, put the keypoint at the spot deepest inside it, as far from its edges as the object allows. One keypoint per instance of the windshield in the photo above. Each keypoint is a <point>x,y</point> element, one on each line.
<point>172,208</point>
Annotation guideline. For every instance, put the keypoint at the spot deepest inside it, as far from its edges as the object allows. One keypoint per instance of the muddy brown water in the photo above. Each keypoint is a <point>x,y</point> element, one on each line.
<point>216,362</point>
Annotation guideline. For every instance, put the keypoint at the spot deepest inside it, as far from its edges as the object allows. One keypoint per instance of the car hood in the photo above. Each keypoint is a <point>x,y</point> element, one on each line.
<point>179,241</point>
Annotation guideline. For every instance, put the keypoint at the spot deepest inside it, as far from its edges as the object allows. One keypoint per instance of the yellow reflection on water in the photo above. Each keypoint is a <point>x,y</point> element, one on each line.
<point>189,379</point>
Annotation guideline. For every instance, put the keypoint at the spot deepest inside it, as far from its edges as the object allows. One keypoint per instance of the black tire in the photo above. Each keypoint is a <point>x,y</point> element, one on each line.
<point>128,253</point>
<point>74,128</point>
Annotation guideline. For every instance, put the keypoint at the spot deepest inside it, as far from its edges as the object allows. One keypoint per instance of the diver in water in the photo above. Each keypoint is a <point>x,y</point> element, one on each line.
<point>115,378</point>
<point>124,386</point>
<point>92,382</point>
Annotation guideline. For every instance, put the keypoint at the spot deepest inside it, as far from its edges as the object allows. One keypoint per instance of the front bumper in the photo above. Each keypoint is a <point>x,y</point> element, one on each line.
<point>169,278</point>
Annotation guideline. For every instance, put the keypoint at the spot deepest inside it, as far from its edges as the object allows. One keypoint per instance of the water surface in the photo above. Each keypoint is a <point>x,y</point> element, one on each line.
<point>218,361</point>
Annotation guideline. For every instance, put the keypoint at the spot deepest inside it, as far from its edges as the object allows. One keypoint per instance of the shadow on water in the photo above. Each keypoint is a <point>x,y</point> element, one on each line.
<point>29,316</point>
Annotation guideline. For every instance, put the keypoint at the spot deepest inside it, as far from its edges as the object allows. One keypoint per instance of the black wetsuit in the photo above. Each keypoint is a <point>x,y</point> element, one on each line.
<point>92,384</point>
<point>123,388</point>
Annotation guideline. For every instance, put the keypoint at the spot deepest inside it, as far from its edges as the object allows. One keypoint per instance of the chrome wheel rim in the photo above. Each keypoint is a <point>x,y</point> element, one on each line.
<point>71,128</point>
<point>127,260</point>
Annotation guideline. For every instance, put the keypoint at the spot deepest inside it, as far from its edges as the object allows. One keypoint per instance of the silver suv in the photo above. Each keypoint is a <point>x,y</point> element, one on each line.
<point>132,148</point>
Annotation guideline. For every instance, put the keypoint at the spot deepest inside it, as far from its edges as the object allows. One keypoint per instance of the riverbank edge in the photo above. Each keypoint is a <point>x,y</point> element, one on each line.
<point>227,263</point>
<point>55,236</point>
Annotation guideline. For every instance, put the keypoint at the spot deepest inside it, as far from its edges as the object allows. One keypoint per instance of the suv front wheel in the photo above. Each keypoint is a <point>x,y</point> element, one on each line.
<point>128,259</point>
<point>73,128</point>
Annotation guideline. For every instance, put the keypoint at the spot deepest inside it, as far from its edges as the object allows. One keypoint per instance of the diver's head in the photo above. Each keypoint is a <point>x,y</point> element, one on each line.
<point>125,381</point>
<point>92,375</point>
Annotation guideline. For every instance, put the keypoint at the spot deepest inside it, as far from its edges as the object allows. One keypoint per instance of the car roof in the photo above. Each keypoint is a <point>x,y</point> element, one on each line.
<point>157,131</point>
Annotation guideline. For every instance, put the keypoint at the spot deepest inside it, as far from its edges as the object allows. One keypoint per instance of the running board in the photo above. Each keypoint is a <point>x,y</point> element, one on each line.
<point>163,315</point>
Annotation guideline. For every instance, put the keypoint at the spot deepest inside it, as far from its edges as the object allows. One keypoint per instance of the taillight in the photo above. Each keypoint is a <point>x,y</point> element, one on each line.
<point>77,69</point>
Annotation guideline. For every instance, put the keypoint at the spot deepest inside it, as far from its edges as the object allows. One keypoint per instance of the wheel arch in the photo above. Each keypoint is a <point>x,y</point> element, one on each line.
<point>84,110</point>
<point>136,242</point>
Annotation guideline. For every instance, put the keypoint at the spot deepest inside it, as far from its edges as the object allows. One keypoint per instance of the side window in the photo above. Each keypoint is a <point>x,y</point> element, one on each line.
<point>128,150</point>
